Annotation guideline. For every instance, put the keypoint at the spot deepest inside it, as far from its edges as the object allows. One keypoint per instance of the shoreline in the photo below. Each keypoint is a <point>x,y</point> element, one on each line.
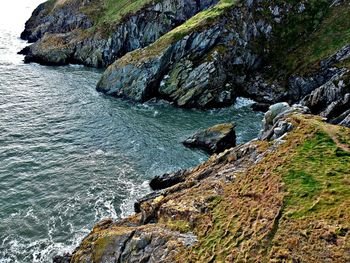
<point>257,200</point>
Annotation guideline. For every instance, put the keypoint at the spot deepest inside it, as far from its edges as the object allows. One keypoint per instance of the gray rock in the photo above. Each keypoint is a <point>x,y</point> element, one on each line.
<point>273,112</point>
<point>346,121</point>
<point>215,139</point>
<point>168,180</point>
<point>331,99</point>
<point>93,48</point>
<point>274,124</point>
<point>200,70</point>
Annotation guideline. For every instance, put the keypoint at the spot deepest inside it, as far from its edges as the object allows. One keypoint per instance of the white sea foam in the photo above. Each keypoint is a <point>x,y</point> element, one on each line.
<point>135,191</point>
<point>243,102</point>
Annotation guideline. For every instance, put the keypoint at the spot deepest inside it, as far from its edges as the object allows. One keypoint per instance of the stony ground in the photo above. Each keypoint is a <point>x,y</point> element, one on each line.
<point>266,201</point>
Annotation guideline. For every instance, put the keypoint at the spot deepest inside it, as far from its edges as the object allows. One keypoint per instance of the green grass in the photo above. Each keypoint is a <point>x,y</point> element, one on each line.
<point>202,19</point>
<point>310,37</point>
<point>115,10</point>
<point>305,180</point>
<point>315,176</point>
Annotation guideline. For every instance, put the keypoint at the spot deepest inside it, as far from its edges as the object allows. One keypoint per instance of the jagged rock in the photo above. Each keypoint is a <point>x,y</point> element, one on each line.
<point>66,258</point>
<point>140,82</point>
<point>320,98</point>
<point>332,99</point>
<point>215,139</point>
<point>340,56</point>
<point>201,69</point>
<point>274,125</point>
<point>61,36</point>
<point>337,108</point>
<point>50,17</point>
<point>340,118</point>
<point>168,180</point>
<point>346,121</point>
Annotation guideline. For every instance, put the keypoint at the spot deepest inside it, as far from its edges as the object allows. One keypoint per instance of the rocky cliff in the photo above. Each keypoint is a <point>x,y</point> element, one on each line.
<point>284,198</point>
<point>281,198</point>
<point>256,49</point>
<point>96,32</point>
<point>201,54</point>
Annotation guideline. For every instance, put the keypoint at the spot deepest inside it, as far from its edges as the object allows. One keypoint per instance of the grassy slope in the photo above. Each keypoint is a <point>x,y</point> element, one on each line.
<point>202,19</point>
<point>299,43</point>
<point>310,37</point>
<point>295,204</point>
<point>109,12</point>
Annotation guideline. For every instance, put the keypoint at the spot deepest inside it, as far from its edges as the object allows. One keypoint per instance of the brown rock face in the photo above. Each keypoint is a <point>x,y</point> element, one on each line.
<point>264,201</point>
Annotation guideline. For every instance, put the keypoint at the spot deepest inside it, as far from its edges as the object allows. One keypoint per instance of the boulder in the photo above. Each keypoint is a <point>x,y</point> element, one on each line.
<point>346,121</point>
<point>168,180</point>
<point>274,123</point>
<point>215,139</point>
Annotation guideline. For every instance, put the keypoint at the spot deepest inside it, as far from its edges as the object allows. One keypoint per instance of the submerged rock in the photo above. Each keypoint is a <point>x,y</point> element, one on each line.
<point>215,139</point>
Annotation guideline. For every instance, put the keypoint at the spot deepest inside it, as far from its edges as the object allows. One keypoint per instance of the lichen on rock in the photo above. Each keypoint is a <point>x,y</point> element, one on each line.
<point>215,139</point>
<point>256,202</point>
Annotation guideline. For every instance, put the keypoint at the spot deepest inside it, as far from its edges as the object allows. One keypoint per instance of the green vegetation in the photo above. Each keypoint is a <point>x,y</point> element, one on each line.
<point>109,12</point>
<point>197,22</point>
<point>182,226</point>
<point>311,36</point>
<point>316,176</point>
<point>294,188</point>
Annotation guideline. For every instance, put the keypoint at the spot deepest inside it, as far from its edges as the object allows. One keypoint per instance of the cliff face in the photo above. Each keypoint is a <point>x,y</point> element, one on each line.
<point>257,202</point>
<point>200,54</point>
<point>257,49</point>
<point>282,198</point>
<point>95,33</point>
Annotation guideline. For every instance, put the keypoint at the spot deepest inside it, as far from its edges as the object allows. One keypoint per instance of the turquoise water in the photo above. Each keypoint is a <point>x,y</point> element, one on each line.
<point>70,156</point>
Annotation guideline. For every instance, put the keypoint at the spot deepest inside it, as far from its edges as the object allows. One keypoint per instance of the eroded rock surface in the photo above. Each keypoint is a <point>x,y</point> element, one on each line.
<point>332,99</point>
<point>257,201</point>
<point>215,139</point>
<point>73,33</point>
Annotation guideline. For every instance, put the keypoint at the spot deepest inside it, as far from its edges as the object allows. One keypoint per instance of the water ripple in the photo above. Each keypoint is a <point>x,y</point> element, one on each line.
<point>70,156</point>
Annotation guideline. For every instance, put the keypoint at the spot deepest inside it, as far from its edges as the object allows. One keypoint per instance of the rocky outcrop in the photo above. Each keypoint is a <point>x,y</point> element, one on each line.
<point>215,139</point>
<point>274,124</point>
<point>56,17</point>
<point>167,180</point>
<point>346,121</point>
<point>256,202</point>
<point>195,65</point>
<point>332,99</point>
<point>232,48</point>
<point>65,33</point>
<point>212,59</point>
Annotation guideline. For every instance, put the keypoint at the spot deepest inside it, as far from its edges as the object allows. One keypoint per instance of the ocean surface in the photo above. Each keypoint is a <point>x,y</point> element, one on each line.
<point>70,156</point>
